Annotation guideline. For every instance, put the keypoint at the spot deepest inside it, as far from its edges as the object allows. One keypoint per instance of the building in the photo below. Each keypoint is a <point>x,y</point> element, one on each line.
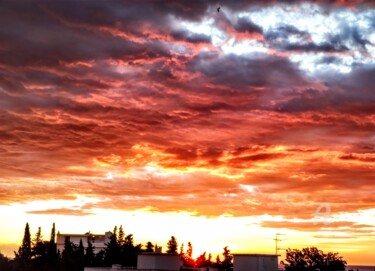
<point>159,261</point>
<point>97,240</point>
<point>153,261</point>
<point>255,262</point>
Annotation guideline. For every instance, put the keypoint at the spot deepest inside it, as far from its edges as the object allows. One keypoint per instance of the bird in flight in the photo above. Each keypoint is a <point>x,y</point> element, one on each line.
<point>218,9</point>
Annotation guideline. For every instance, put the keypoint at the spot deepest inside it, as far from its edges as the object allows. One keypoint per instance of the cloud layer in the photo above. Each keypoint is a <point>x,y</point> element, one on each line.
<point>261,108</point>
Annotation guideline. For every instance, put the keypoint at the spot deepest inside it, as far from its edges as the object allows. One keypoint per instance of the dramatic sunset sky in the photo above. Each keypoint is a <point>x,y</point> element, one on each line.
<point>170,118</point>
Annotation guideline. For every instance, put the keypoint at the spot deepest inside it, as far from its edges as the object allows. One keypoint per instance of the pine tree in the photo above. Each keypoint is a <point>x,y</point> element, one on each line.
<point>38,236</point>
<point>69,256</point>
<point>129,240</point>
<point>39,247</point>
<point>182,249</point>
<point>201,261</point>
<point>228,258</point>
<point>189,251</point>
<point>121,236</point>
<point>129,252</point>
<point>172,245</point>
<point>149,247</point>
<point>24,252</point>
<point>115,233</point>
<point>112,250</point>
<point>90,255</point>
<point>209,260</point>
<point>217,263</point>
<point>188,257</point>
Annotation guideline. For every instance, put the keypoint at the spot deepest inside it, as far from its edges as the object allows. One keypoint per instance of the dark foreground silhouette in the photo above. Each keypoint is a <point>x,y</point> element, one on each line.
<point>40,255</point>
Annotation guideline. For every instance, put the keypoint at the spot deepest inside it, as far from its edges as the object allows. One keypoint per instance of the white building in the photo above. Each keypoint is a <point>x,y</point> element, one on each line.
<point>97,240</point>
<point>255,262</point>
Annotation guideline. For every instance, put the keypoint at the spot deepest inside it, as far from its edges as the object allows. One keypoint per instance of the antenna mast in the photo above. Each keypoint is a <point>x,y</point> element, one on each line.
<point>277,240</point>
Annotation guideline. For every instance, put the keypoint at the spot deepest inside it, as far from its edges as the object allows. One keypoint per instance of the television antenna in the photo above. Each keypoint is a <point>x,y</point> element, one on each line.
<point>277,240</point>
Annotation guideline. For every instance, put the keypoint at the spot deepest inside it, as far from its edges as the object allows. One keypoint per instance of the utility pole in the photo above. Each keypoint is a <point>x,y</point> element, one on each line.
<point>277,240</point>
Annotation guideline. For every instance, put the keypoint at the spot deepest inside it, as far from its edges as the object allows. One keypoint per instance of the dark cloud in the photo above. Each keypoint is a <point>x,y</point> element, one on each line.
<point>191,37</point>
<point>240,72</point>
<point>282,33</point>
<point>312,47</point>
<point>358,158</point>
<point>38,38</point>
<point>281,37</point>
<point>246,25</point>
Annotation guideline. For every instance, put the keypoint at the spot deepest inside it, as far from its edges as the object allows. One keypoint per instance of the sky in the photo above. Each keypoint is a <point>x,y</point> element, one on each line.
<point>170,118</point>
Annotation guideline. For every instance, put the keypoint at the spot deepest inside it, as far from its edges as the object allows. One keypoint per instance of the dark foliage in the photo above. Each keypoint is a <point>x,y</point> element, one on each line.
<point>311,259</point>
<point>149,247</point>
<point>172,245</point>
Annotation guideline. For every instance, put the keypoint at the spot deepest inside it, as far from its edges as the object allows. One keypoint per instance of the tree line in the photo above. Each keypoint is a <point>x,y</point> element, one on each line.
<point>37,254</point>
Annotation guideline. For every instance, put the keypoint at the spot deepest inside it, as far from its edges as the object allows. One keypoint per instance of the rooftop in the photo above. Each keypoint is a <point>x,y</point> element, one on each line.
<point>255,254</point>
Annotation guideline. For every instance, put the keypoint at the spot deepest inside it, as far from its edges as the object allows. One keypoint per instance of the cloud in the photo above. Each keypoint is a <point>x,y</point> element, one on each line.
<point>363,158</point>
<point>311,226</point>
<point>183,106</point>
<point>61,211</point>
<point>245,25</point>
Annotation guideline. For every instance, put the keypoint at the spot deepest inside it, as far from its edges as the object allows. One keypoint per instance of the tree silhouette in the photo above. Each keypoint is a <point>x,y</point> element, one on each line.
<point>149,247</point>
<point>209,260</point>
<point>23,257</point>
<point>121,236</point>
<point>89,255</point>
<point>217,263</point>
<point>38,236</point>
<point>5,263</point>
<point>310,259</point>
<point>182,249</point>
<point>40,255</point>
<point>128,253</point>
<point>188,256</point>
<point>68,256</point>
<point>189,252</point>
<point>172,245</point>
<point>99,259</point>
<point>112,250</point>
<point>81,255</point>
<point>52,256</point>
<point>201,261</point>
<point>227,263</point>
<point>39,252</point>
<point>39,247</point>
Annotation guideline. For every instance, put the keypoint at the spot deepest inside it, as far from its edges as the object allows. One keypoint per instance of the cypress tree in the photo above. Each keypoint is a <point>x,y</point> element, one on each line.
<point>24,252</point>
<point>23,256</point>
<point>81,255</point>
<point>121,236</point>
<point>53,234</point>
<point>52,249</point>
